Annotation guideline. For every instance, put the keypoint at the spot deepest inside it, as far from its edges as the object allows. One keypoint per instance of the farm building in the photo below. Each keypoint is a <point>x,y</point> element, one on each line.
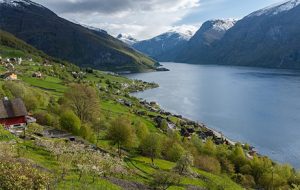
<point>13,113</point>
<point>9,76</point>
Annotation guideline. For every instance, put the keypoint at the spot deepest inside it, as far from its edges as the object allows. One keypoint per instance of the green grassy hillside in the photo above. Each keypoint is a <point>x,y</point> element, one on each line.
<point>118,142</point>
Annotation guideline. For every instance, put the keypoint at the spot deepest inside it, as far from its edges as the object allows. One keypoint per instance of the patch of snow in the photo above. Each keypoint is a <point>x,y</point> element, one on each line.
<point>17,3</point>
<point>223,25</point>
<point>127,38</point>
<point>91,27</point>
<point>276,9</point>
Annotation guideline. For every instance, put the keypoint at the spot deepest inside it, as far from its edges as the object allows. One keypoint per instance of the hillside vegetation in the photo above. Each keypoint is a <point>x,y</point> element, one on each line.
<point>91,134</point>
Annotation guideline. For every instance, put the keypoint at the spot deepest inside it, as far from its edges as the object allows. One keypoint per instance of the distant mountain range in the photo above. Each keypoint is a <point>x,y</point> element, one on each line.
<point>269,37</point>
<point>84,46</point>
<point>164,47</point>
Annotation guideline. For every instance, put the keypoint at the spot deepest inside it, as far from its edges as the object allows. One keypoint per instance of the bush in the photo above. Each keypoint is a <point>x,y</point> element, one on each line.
<point>34,128</point>
<point>163,180</point>
<point>47,119</point>
<point>183,165</point>
<point>209,147</point>
<point>5,135</point>
<point>208,163</point>
<point>245,180</point>
<point>174,152</point>
<point>87,133</point>
<point>21,175</point>
<point>141,130</point>
<point>226,166</point>
<point>70,122</point>
<point>163,125</point>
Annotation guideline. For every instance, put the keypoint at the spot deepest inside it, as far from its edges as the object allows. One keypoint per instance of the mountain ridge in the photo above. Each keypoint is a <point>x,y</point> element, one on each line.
<point>63,39</point>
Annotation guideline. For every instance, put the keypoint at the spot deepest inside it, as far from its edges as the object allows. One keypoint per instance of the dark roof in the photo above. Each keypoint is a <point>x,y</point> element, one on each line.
<point>12,108</point>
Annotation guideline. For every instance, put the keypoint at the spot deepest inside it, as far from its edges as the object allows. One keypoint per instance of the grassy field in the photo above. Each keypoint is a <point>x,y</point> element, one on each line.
<point>52,84</point>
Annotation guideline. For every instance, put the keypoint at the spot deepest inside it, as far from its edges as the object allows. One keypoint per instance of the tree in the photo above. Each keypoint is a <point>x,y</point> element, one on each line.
<point>197,142</point>
<point>209,147</point>
<point>174,152</point>
<point>121,133</point>
<point>151,146</point>
<point>163,125</point>
<point>84,101</point>
<point>163,180</point>
<point>184,163</point>
<point>70,122</point>
<point>208,163</point>
<point>238,157</point>
<point>141,130</point>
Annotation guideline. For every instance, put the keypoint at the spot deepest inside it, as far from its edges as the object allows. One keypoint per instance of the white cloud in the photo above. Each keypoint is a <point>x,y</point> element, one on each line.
<point>141,18</point>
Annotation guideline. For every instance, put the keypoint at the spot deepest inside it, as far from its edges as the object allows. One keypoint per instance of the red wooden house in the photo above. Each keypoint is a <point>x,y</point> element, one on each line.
<point>13,113</point>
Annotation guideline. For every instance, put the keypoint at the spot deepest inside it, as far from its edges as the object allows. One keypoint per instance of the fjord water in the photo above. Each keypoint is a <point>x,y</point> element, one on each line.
<point>253,105</point>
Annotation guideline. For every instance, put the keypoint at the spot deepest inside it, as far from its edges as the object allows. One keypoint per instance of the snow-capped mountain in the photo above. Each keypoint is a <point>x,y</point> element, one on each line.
<point>162,46</point>
<point>277,8</point>
<point>127,38</point>
<point>269,37</point>
<point>209,33</point>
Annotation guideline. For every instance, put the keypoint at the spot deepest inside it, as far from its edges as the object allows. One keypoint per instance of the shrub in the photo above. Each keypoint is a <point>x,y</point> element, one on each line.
<point>5,135</point>
<point>183,165</point>
<point>226,166</point>
<point>209,147</point>
<point>70,122</point>
<point>163,125</point>
<point>21,175</point>
<point>34,128</point>
<point>208,163</point>
<point>87,133</point>
<point>141,130</point>
<point>245,180</point>
<point>163,180</point>
<point>47,119</point>
<point>174,152</point>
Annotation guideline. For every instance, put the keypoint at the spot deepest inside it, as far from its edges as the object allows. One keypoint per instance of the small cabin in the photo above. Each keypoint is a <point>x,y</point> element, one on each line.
<point>9,76</point>
<point>37,75</point>
<point>13,113</point>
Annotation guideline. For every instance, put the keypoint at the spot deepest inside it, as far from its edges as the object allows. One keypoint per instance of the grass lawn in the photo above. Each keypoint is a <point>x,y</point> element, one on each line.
<point>52,84</point>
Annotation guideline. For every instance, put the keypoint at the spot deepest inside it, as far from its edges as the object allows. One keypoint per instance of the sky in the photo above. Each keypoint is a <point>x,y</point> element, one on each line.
<point>145,19</point>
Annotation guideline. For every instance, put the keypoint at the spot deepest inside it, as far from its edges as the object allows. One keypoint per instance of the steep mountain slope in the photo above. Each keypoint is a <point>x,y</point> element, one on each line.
<point>199,46</point>
<point>267,38</point>
<point>165,46</point>
<point>60,38</point>
<point>128,39</point>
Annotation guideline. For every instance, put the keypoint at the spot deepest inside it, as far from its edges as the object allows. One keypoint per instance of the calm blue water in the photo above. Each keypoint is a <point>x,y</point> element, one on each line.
<point>258,106</point>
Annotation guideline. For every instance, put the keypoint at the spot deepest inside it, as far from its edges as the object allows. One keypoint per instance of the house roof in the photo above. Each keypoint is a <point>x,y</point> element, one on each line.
<point>12,108</point>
